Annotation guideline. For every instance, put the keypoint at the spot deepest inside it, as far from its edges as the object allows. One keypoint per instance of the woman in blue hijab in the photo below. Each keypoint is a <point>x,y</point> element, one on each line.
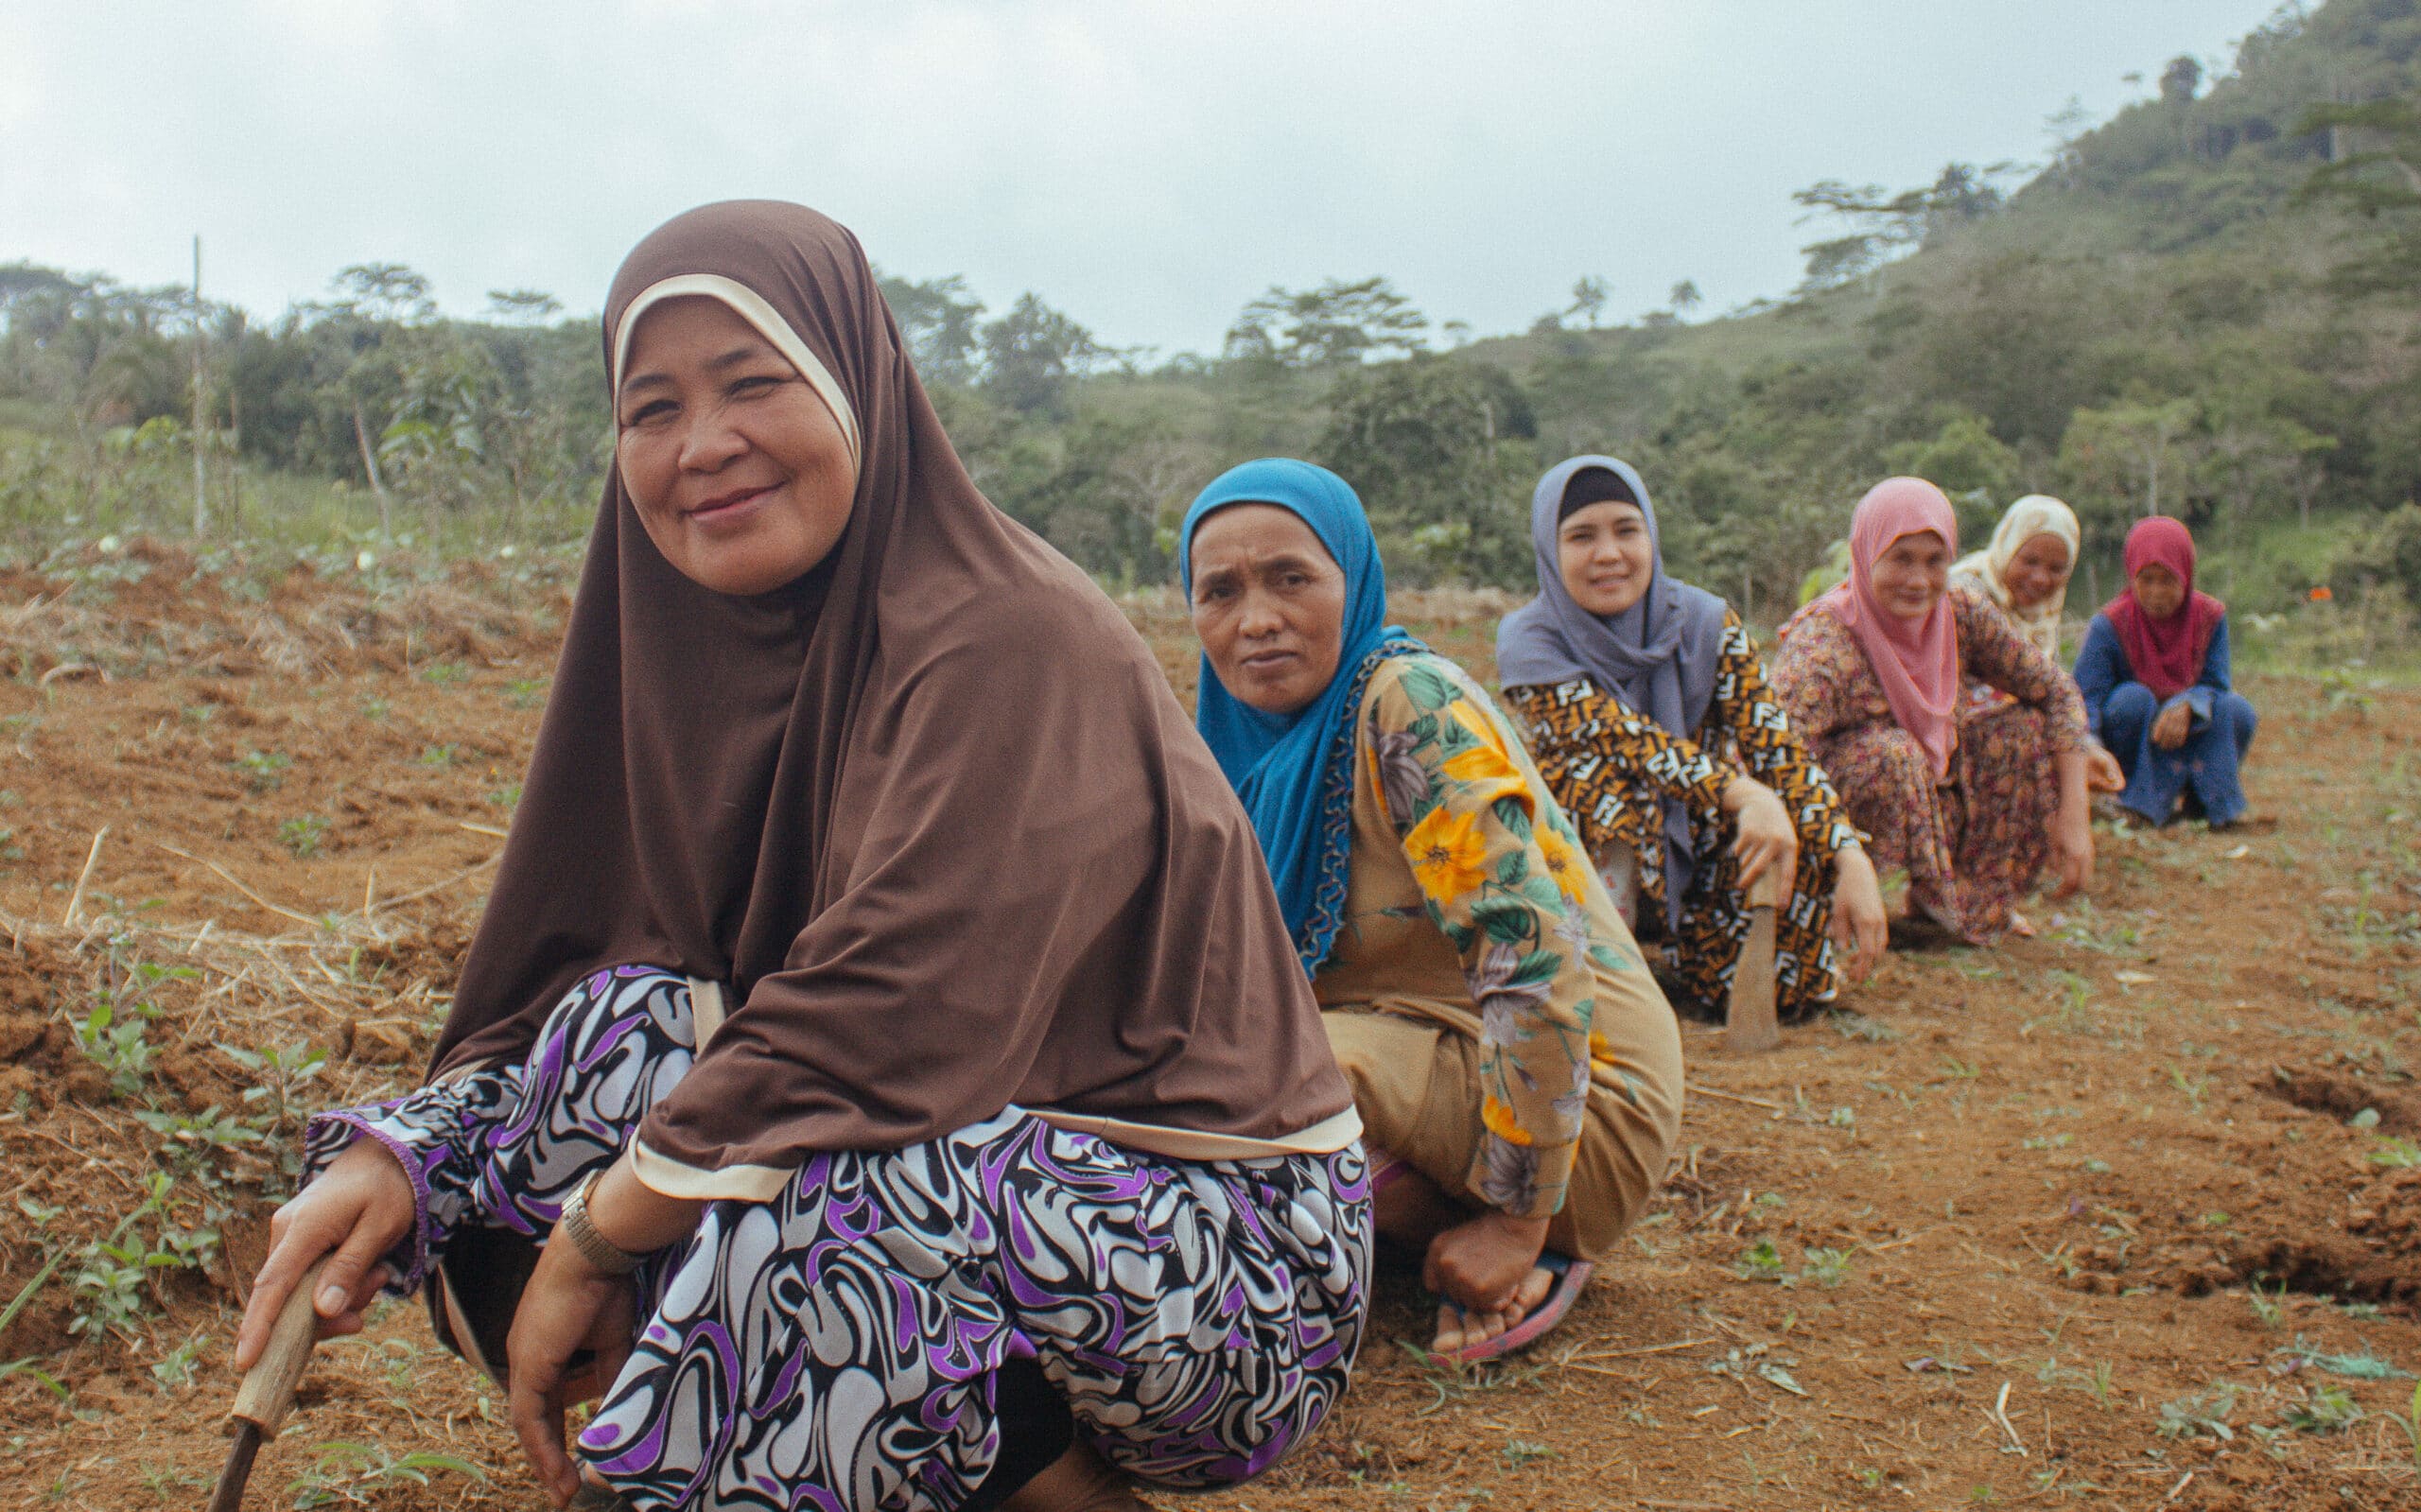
<point>1518,1074</point>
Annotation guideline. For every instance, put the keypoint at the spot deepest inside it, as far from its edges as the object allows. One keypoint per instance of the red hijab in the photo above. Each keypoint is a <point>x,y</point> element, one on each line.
<point>1915,660</point>
<point>2164,655</point>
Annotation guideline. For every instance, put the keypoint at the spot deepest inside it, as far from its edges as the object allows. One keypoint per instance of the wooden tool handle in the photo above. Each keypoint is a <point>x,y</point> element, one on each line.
<point>1749,1025</point>
<point>267,1390</point>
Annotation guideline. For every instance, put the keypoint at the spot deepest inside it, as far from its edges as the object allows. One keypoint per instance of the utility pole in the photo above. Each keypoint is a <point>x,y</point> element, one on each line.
<point>200,497</point>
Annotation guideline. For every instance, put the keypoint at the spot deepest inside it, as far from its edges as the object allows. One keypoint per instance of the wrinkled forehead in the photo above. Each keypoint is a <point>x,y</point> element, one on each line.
<point>752,307</point>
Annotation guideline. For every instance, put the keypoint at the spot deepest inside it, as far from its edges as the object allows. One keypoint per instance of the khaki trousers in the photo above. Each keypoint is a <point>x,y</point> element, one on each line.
<point>1415,1085</point>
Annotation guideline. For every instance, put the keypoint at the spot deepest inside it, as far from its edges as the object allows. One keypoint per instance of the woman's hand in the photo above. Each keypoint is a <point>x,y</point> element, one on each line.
<point>567,1307</point>
<point>2071,834</point>
<point>1861,932</point>
<point>2172,725</point>
<point>1481,1263</point>
<point>361,1208</point>
<point>2102,773</point>
<point>1765,834</point>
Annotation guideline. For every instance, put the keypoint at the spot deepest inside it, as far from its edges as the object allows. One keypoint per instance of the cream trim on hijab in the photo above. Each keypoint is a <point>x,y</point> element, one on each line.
<point>2035,515</point>
<point>750,306</point>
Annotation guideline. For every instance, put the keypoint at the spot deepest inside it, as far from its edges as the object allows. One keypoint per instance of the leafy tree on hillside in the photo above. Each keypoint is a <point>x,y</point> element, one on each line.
<point>1032,354</point>
<point>1886,224</point>
<point>2378,180</point>
<point>1440,451</point>
<point>1328,326</point>
<point>938,319</point>
<point>1588,298</point>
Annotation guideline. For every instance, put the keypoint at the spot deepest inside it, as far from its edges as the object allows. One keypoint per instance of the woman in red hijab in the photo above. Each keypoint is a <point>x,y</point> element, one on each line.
<point>2154,675</point>
<point>1870,674</point>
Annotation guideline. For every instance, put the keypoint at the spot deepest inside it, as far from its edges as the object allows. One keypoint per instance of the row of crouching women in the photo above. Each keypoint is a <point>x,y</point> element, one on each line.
<point>904,1062</point>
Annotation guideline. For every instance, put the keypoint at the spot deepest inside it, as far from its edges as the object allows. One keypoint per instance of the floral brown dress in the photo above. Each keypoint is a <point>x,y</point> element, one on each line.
<point>1974,842</point>
<point>1612,767</point>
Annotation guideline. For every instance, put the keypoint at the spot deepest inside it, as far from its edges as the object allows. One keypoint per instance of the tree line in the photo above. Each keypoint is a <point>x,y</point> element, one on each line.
<point>2202,306</point>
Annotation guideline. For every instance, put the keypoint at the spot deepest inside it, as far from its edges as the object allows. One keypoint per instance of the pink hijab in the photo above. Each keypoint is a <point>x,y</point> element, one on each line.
<point>1916,661</point>
<point>2164,655</point>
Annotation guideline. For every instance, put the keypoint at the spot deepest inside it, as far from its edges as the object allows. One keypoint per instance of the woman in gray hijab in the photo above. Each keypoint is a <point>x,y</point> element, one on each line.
<point>1645,704</point>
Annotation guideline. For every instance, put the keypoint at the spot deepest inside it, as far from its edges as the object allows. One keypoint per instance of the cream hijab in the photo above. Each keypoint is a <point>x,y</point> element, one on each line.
<point>2035,515</point>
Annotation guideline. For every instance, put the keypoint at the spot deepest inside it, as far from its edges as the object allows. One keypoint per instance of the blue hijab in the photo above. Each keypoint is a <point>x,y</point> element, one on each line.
<point>1295,771</point>
<point>1659,658</point>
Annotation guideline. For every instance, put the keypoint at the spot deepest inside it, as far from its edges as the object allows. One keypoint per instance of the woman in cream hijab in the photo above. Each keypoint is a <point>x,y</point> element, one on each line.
<point>2025,573</point>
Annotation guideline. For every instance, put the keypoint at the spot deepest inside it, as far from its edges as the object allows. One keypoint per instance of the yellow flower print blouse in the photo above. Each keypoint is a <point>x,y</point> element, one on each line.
<point>1472,904</point>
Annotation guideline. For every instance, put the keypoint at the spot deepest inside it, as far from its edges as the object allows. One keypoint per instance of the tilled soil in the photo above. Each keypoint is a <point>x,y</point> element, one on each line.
<point>2130,1212</point>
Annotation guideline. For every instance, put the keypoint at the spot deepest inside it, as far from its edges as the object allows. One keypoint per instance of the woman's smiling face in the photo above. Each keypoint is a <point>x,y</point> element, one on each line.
<point>1606,556</point>
<point>741,475</point>
<point>1909,578</point>
<point>2039,570</point>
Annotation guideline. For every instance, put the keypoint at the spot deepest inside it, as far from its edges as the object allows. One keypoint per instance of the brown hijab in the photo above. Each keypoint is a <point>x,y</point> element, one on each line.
<point>931,812</point>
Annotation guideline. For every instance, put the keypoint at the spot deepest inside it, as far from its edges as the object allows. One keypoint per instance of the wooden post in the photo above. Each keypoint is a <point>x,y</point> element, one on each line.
<point>201,487</point>
<point>1751,1025</point>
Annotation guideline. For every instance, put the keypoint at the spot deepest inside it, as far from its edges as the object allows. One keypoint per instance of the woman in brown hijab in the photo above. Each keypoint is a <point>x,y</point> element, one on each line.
<point>882,1016</point>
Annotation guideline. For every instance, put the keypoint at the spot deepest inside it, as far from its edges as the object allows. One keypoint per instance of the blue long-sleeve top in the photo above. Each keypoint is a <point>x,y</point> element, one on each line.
<point>2102,665</point>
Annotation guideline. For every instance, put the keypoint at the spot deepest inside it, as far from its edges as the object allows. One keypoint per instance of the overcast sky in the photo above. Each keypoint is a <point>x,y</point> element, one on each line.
<point>1146,166</point>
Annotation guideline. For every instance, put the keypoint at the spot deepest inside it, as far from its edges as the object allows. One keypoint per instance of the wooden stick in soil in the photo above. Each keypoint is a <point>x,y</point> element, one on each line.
<point>92,858</point>
<point>267,1391</point>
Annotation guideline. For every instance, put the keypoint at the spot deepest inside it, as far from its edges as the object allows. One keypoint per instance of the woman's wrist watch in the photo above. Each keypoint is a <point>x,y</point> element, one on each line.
<point>600,1254</point>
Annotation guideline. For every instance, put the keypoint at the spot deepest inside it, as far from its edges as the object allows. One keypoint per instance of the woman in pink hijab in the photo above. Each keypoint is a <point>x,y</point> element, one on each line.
<point>1870,674</point>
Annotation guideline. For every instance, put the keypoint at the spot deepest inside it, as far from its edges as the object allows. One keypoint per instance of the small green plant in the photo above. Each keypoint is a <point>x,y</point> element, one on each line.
<point>445,674</point>
<point>113,1036</point>
<point>1520,1451</point>
<point>114,1282</point>
<point>1827,1267</point>
<point>2398,1151</point>
<point>353,1473</point>
<point>174,1369</point>
<point>264,770</point>
<point>278,1072</point>
<point>302,835</point>
<point>201,1144</point>
<point>2203,1415</point>
<point>1962,1070</point>
<point>373,709</point>
<point>507,798</point>
<point>440,756</point>
<point>2269,1306</point>
<point>2195,1087</point>
<point>526,693</point>
<point>2326,1409</point>
<point>1762,1261</point>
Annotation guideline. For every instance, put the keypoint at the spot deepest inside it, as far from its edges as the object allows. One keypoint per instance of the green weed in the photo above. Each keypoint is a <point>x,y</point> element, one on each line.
<point>302,835</point>
<point>264,770</point>
<point>355,1473</point>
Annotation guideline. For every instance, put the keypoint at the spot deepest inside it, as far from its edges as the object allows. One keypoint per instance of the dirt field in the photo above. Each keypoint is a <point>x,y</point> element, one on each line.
<point>2131,1211</point>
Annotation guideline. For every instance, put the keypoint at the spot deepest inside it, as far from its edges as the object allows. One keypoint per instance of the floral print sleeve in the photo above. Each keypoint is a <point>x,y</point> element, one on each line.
<point>1502,874</point>
<point>1991,651</point>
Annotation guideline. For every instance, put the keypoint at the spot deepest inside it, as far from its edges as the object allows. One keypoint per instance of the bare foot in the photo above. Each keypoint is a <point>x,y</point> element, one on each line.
<point>1459,1330</point>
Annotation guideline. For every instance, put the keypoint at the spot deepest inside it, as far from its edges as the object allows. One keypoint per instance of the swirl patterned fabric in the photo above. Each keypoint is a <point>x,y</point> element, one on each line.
<point>836,1347</point>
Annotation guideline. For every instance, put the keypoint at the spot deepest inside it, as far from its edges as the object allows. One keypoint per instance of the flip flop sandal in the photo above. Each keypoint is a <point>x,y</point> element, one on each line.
<point>1571,1276</point>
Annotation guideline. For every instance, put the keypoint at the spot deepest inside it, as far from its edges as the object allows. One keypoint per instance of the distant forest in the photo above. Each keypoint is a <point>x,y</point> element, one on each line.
<point>2204,307</point>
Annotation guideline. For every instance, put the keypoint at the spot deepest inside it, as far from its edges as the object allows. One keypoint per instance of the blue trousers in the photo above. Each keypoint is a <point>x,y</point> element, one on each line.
<point>2204,765</point>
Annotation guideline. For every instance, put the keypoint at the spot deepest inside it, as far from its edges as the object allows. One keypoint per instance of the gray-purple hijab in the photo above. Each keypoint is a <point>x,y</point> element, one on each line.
<point>1658,656</point>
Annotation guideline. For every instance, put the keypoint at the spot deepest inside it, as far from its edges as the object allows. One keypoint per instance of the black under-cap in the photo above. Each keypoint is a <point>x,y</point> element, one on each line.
<point>1593,485</point>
